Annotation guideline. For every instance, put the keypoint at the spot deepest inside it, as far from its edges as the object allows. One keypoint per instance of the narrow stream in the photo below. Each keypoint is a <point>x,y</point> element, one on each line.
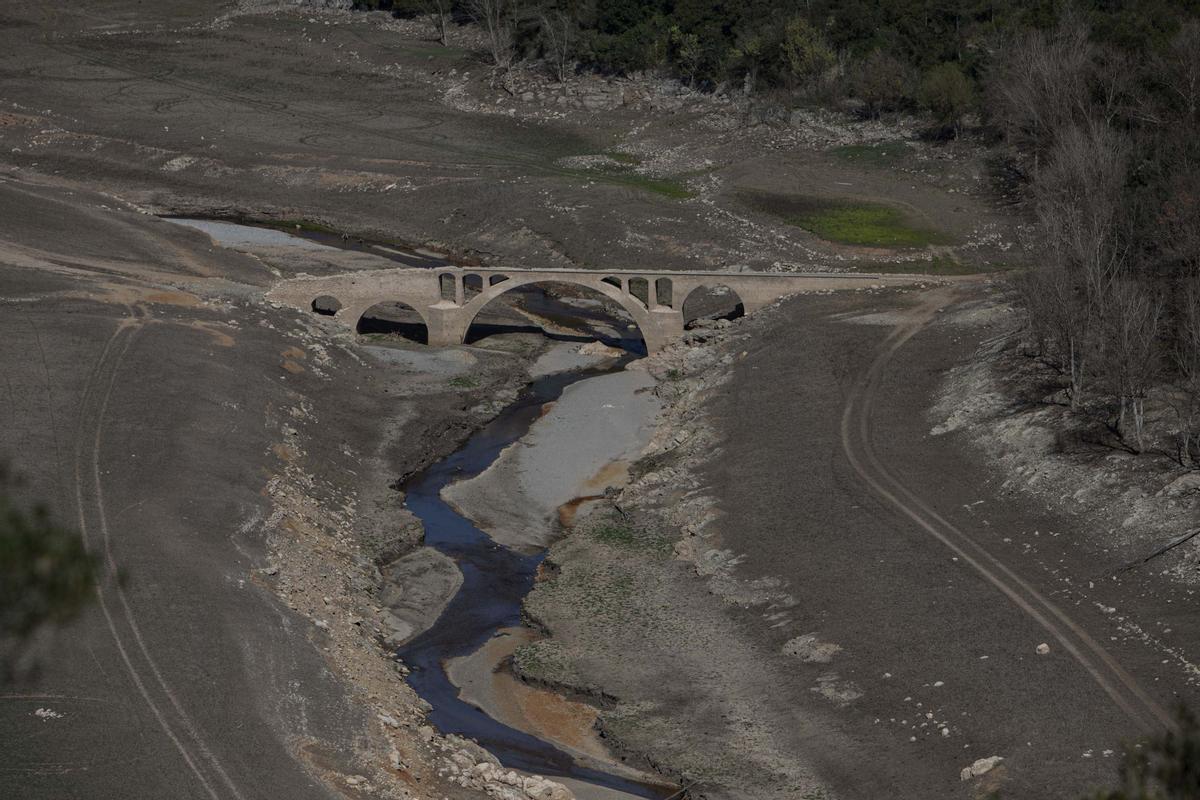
<point>495,578</point>
<point>495,581</point>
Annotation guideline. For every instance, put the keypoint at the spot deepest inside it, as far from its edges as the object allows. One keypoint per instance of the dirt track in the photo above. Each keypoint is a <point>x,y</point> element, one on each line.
<point>170,413</point>
<point>892,585</point>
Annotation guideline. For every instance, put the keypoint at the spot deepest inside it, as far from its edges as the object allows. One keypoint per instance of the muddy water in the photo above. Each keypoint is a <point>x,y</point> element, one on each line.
<point>495,582</point>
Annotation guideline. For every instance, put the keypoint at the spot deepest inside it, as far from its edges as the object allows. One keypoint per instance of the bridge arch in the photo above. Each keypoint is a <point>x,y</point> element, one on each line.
<point>326,305</point>
<point>394,317</point>
<point>472,285</point>
<point>636,311</point>
<point>712,300</point>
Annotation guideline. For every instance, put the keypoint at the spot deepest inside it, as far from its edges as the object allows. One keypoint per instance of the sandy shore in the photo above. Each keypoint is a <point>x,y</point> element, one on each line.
<point>594,424</point>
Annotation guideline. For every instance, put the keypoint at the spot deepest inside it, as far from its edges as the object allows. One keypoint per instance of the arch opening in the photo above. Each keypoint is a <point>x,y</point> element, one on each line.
<point>640,289</point>
<point>472,286</point>
<point>560,311</point>
<point>446,286</point>
<point>326,305</point>
<point>612,281</point>
<point>492,281</point>
<point>705,305</point>
<point>664,292</point>
<point>392,321</point>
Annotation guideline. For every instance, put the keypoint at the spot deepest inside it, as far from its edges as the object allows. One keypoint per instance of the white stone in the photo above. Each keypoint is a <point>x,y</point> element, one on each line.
<point>981,767</point>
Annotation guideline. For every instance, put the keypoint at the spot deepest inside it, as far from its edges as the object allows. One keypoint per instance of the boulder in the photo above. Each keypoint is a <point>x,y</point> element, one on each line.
<point>1188,483</point>
<point>980,767</point>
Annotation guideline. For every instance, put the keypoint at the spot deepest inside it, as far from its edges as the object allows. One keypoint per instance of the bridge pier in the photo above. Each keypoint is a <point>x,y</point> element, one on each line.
<point>446,324</point>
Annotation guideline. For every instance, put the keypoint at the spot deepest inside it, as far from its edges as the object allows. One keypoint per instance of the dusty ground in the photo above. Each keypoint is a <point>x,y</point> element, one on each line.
<point>233,460</point>
<point>889,615</point>
<point>358,122</point>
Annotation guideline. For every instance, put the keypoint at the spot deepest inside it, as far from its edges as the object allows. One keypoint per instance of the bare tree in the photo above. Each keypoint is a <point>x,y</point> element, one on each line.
<point>1081,204</point>
<point>494,17</point>
<point>1064,319</point>
<point>558,33</point>
<point>1179,219</point>
<point>1040,84</point>
<point>1180,70</point>
<point>441,11</point>
<point>1130,324</point>
<point>1186,357</point>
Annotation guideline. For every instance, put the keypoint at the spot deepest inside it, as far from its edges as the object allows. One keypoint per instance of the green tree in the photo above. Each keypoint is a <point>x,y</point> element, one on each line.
<point>1165,768</point>
<point>688,52</point>
<point>948,94</point>
<point>46,575</point>
<point>804,50</point>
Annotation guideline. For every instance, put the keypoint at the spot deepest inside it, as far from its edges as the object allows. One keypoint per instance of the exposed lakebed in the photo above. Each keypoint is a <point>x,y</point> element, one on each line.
<point>566,437</point>
<point>595,404</point>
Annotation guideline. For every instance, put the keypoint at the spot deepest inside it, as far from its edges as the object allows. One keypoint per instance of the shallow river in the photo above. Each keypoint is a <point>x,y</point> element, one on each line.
<point>495,578</point>
<point>495,581</point>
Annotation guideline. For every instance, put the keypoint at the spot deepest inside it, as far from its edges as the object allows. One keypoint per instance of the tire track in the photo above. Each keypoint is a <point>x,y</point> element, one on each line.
<point>93,408</point>
<point>857,442</point>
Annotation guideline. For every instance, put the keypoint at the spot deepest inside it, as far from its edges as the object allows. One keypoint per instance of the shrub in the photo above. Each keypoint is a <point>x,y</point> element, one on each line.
<point>948,94</point>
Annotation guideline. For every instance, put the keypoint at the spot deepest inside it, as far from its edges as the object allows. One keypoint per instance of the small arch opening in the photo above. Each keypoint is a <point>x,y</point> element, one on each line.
<point>663,289</point>
<point>640,288</point>
<point>612,281</point>
<point>446,286</point>
<point>393,321</point>
<point>560,311</point>
<point>472,286</point>
<point>705,305</point>
<point>492,281</point>
<point>326,305</point>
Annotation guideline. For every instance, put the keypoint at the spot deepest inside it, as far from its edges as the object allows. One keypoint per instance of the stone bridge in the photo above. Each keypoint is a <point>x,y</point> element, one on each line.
<point>448,299</point>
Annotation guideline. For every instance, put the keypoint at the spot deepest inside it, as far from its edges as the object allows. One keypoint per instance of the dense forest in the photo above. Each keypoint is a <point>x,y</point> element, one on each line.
<point>800,45</point>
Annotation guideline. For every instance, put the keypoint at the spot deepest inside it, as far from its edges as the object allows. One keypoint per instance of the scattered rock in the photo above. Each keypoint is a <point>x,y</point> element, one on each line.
<point>980,767</point>
<point>1043,649</point>
<point>808,649</point>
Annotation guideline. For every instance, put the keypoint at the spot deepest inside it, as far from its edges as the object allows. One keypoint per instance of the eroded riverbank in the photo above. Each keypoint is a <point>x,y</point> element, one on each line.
<point>611,407</point>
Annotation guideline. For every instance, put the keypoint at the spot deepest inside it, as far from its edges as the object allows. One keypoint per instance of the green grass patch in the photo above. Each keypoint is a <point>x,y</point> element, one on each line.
<point>293,225</point>
<point>543,660</point>
<point>621,174</point>
<point>464,382</point>
<point>622,536</point>
<point>879,154</point>
<point>618,176</point>
<point>847,221</point>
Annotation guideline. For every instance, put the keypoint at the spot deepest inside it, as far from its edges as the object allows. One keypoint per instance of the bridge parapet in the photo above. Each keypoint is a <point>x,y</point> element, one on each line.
<point>448,299</point>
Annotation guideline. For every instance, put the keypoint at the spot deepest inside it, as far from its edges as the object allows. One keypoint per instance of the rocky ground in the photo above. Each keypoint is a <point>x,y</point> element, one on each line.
<point>1015,407</point>
<point>746,561</point>
<point>235,461</point>
<point>359,122</point>
<point>235,464</point>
